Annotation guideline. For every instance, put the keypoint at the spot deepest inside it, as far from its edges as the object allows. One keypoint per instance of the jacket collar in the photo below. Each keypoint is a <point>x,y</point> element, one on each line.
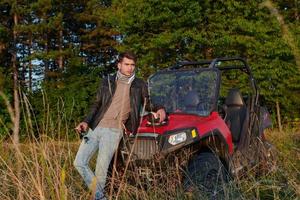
<point>113,78</point>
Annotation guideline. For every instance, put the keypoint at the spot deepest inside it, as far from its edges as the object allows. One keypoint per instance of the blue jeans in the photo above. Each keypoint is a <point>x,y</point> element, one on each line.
<point>107,141</point>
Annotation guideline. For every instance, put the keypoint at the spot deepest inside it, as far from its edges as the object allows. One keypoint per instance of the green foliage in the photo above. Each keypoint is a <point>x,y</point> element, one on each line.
<point>61,47</point>
<point>5,120</point>
<point>162,32</point>
<point>65,101</point>
<point>65,45</point>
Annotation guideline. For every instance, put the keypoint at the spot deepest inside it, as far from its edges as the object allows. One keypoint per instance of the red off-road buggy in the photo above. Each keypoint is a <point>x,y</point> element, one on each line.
<point>214,128</point>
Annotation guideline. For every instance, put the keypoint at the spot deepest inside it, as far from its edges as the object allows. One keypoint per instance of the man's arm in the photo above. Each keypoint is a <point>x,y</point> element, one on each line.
<point>159,111</point>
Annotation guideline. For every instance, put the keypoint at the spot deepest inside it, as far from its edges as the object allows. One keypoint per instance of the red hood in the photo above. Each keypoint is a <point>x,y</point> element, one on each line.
<point>178,121</point>
<point>204,125</point>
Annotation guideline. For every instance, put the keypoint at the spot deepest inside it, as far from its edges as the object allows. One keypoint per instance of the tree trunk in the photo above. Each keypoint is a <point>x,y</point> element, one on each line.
<point>278,116</point>
<point>296,10</point>
<point>16,121</point>
<point>46,61</point>
<point>30,64</point>
<point>60,59</point>
<point>15,86</point>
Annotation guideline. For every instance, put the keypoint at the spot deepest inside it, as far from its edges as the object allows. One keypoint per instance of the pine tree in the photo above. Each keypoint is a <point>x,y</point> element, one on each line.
<point>162,32</point>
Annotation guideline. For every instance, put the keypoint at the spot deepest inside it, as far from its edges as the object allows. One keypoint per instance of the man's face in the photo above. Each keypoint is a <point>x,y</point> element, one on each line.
<point>127,66</point>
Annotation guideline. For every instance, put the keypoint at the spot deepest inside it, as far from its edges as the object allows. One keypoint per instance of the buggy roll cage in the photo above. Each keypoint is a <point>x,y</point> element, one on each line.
<point>216,64</point>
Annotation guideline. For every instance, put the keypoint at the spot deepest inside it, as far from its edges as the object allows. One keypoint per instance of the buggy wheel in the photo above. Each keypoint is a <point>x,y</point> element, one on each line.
<point>206,177</point>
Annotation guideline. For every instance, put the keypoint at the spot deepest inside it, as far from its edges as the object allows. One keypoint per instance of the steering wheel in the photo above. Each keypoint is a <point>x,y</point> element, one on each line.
<point>152,121</point>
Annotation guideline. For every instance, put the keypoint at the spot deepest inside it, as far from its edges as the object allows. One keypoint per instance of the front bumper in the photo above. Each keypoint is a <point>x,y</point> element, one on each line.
<point>152,146</point>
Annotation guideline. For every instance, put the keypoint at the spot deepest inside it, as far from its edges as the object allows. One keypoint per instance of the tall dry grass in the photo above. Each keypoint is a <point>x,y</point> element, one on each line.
<point>45,169</point>
<point>283,179</point>
<point>47,173</point>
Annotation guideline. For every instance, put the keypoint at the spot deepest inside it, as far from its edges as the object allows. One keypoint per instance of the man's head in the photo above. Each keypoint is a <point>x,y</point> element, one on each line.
<point>126,63</point>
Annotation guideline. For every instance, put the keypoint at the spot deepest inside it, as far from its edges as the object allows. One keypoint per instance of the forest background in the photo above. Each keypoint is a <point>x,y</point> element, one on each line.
<point>53,54</point>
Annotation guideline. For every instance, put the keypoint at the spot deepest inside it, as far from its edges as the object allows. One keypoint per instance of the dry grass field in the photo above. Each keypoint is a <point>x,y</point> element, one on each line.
<point>43,170</point>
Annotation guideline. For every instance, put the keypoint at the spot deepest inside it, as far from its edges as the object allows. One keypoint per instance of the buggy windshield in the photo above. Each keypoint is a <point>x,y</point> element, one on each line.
<point>188,91</point>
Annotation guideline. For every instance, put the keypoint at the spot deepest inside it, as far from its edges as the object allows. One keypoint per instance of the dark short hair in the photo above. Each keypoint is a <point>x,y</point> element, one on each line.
<point>128,55</point>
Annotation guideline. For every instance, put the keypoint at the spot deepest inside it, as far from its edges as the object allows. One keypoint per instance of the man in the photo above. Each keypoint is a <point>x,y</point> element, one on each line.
<point>117,107</point>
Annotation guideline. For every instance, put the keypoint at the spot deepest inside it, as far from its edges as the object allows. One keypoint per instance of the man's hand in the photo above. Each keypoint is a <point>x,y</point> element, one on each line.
<point>161,114</point>
<point>82,127</point>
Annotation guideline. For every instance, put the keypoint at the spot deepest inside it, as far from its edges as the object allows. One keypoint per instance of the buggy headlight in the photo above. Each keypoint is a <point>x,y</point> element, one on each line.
<point>177,138</point>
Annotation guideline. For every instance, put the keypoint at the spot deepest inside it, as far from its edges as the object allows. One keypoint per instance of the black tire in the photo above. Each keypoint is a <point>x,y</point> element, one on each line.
<point>206,177</point>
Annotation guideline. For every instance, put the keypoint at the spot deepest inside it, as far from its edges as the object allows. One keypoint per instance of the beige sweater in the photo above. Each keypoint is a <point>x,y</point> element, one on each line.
<point>119,109</point>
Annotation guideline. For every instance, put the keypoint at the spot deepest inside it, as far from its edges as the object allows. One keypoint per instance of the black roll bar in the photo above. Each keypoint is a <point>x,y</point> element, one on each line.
<point>214,63</point>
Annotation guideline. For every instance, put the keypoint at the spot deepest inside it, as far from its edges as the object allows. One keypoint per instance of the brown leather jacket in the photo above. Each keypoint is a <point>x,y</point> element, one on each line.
<point>138,98</point>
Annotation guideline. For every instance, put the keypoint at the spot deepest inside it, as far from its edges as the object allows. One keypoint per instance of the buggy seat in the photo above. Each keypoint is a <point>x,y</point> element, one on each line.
<point>236,111</point>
